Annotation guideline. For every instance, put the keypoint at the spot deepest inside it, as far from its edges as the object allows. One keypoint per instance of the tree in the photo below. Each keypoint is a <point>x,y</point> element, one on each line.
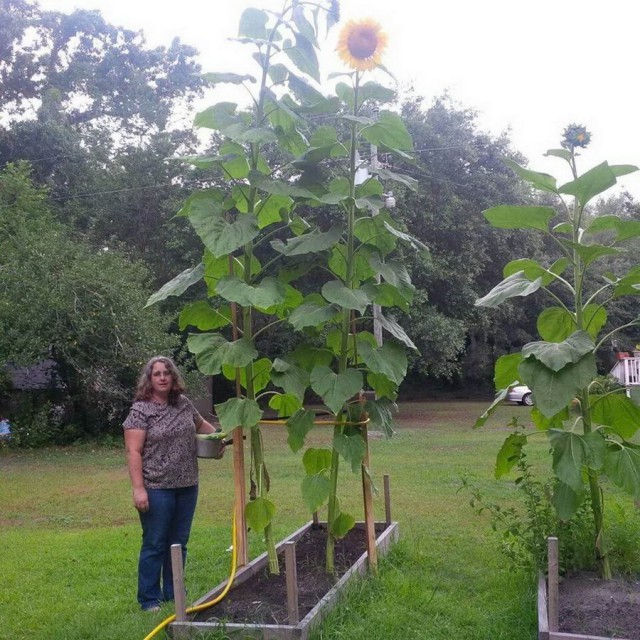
<point>61,298</point>
<point>460,174</point>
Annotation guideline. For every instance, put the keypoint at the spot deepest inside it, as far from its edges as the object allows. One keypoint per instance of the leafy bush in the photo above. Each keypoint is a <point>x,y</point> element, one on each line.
<point>523,533</point>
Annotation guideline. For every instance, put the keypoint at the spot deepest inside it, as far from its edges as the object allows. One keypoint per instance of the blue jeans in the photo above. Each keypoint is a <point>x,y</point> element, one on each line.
<point>168,521</point>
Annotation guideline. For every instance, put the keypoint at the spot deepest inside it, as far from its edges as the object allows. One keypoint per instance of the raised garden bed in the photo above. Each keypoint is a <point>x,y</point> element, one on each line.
<point>585,605</point>
<point>260,605</point>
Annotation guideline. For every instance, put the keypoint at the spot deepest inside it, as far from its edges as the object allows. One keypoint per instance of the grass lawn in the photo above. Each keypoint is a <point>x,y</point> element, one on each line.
<point>71,537</point>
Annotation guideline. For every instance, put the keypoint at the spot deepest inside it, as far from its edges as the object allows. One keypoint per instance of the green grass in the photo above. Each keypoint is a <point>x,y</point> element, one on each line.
<point>71,537</point>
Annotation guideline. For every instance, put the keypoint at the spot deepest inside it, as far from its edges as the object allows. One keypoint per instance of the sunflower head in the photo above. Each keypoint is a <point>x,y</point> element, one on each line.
<point>575,135</point>
<point>361,44</point>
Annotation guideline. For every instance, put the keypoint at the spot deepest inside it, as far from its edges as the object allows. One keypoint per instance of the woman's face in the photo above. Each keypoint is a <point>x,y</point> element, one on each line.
<point>161,379</point>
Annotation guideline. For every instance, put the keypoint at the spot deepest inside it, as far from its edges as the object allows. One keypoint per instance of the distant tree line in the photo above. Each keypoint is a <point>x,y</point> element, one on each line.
<point>88,117</point>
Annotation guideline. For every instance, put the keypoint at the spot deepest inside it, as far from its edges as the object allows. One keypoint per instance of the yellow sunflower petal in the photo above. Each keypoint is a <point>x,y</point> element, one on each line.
<point>361,44</point>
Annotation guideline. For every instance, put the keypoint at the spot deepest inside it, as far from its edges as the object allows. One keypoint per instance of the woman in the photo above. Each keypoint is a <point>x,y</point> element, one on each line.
<point>160,441</point>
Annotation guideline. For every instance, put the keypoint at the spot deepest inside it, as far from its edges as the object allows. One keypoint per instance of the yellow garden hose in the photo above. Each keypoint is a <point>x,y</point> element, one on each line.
<point>206,605</point>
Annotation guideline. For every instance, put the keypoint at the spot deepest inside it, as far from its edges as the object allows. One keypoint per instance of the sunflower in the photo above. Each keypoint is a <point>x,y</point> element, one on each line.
<point>361,44</point>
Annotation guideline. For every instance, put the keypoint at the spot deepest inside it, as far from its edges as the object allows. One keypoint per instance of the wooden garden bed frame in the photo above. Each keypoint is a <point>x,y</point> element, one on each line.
<point>300,630</point>
<point>548,602</point>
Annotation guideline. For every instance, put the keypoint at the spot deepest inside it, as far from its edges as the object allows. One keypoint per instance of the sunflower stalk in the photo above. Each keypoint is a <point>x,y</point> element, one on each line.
<point>561,368</point>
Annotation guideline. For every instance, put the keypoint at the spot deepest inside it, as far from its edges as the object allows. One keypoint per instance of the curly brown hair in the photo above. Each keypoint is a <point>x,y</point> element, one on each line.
<point>144,390</point>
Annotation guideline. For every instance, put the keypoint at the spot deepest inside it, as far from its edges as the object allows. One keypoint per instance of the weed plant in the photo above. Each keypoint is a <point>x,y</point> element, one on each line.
<point>523,530</point>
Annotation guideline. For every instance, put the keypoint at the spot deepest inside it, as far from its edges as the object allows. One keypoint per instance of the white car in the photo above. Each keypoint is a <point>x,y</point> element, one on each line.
<point>522,394</point>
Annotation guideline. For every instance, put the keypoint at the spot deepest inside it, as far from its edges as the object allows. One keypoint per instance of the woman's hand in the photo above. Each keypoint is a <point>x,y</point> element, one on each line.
<point>141,500</point>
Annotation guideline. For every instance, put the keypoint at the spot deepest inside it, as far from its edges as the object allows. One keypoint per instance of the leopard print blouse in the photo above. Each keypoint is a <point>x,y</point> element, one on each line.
<point>169,455</point>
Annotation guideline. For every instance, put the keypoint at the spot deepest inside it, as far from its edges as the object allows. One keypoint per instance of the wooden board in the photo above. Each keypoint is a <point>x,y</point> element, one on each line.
<point>301,630</point>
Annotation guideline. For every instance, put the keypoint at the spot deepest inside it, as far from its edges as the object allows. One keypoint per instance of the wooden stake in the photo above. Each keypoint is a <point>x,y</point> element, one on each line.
<point>369,520</point>
<point>240,493</point>
<point>292,581</point>
<point>552,581</point>
<point>387,499</point>
<point>178,582</point>
<point>316,521</point>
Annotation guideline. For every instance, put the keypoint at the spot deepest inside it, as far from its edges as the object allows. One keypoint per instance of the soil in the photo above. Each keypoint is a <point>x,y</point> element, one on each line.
<point>262,599</point>
<point>607,608</point>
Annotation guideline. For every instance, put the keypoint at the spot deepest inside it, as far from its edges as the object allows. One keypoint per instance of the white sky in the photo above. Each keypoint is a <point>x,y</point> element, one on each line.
<point>529,67</point>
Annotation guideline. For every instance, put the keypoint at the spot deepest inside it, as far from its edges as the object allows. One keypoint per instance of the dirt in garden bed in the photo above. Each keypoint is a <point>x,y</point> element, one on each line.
<point>607,608</point>
<point>262,599</point>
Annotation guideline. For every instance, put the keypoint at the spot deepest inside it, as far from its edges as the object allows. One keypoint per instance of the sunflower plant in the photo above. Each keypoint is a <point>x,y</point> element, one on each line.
<point>589,432</point>
<point>293,154</point>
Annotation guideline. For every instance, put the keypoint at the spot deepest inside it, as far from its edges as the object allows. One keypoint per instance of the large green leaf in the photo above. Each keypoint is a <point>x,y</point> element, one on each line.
<point>343,523</point>
<point>622,465</point>
<point>253,24</point>
<point>591,252</point>
<point>373,232</point>
<point>566,501</point>
<point>516,284</point>
<point>542,181</point>
<point>309,357</point>
<point>259,513</point>
<point>261,374</point>
<point>335,388</point>
<point>315,491</point>
<point>298,426</point>
<point>554,422</point>
<point>311,242</point>
<point>351,448</point>
<point>591,183</point>
<point>572,451</point>
<point>360,263</point>
<point>218,117</point>
<point>178,285</point>
<point>396,331</point>
<point>520,217</point>
<point>257,136</point>
<point>533,270</point>
<point>618,412</point>
<point>628,285</point>
<point>556,355</point>
<point>556,324</point>
<point>624,229</point>
<point>303,55</point>
<point>291,378</point>
<point>286,404</point>
<point>389,131</point>
<point>238,412</point>
<point>506,370</point>
<point>229,78</point>
<point>212,351</point>
<point>509,453</point>
<point>393,176</point>
<point>336,292</point>
<point>383,387</point>
<point>269,293</point>
<point>204,317</point>
<point>220,236</point>
<point>380,413</point>
<point>312,314</point>
<point>497,401</point>
<point>390,359</point>
<point>553,390</point>
<point>273,209</point>
<point>234,164</point>
<point>316,460</point>
<point>394,273</point>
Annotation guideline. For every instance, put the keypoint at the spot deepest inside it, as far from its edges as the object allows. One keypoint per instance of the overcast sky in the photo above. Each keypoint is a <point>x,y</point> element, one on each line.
<point>529,67</point>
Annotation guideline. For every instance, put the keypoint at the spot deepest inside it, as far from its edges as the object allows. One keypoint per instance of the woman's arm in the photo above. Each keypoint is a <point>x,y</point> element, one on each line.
<point>134,444</point>
<point>205,427</point>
